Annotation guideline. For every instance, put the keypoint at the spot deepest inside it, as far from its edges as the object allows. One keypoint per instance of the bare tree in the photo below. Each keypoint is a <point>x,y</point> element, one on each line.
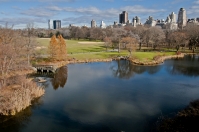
<point>193,34</point>
<point>12,53</point>
<point>30,41</point>
<point>107,42</point>
<point>157,36</point>
<point>79,33</point>
<point>96,34</point>
<point>177,39</point>
<point>140,31</point>
<point>118,34</point>
<point>130,44</point>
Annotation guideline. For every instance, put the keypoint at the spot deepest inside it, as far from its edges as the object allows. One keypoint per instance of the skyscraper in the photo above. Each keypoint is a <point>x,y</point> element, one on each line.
<point>57,24</point>
<point>102,25</point>
<point>93,23</point>
<point>123,17</point>
<point>50,24</point>
<point>136,21</point>
<point>182,18</point>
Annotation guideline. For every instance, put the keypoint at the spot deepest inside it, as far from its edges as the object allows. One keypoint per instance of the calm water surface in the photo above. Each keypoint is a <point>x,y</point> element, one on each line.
<point>110,97</point>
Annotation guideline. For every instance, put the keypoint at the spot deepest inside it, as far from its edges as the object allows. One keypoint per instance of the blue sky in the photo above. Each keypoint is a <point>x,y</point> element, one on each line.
<point>81,12</point>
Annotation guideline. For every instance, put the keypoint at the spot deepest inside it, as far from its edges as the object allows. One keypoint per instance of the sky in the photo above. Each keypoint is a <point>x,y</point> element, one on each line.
<point>80,12</point>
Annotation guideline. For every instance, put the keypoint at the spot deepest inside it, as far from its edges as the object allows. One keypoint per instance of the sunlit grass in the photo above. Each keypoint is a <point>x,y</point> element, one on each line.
<point>99,55</point>
<point>84,49</point>
<point>150,55</point>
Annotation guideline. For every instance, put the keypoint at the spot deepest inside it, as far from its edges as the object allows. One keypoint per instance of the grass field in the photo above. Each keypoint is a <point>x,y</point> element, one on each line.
<point>81,50</point>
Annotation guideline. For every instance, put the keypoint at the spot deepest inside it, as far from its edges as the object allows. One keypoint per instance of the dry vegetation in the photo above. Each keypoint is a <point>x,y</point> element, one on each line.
<point>16,92</point>
<point>185,120</point>
<point>18,95</point>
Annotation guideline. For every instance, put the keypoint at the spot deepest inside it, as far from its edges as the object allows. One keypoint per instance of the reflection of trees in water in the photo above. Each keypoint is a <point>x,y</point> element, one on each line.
<point>16,122</point>
<point>125,69</point>
<point>60,77</point>
<point>187,66</point>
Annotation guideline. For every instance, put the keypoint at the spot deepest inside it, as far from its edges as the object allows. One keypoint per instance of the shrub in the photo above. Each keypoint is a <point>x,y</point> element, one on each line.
<point>18,94</point>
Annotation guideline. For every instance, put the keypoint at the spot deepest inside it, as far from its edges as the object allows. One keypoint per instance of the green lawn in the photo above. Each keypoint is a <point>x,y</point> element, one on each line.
<point>143,56</point>
<point>84,49</point>
<point>73,46</point>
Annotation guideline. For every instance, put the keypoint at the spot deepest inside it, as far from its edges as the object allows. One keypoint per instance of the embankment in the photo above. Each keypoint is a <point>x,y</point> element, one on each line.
<point>18,94</point>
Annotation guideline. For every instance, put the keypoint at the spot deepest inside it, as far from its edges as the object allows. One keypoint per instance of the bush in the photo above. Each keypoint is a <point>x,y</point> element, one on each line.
<point>18,94</point>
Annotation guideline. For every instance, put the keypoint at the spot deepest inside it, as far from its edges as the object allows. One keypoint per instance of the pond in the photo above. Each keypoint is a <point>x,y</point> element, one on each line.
<point>109,97</point>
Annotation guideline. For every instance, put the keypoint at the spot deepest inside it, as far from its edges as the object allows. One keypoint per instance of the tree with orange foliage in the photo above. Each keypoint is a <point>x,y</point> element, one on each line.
<point>53,47</point>
<point>57,48</point>
<point>62,53</point>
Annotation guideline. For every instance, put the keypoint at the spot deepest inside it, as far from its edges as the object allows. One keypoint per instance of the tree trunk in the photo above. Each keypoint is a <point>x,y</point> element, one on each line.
<point>119,46</point>
<point>140,46</point>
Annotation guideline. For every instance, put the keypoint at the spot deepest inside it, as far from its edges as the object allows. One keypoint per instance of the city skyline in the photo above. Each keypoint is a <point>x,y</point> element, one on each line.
<point>81,12</point>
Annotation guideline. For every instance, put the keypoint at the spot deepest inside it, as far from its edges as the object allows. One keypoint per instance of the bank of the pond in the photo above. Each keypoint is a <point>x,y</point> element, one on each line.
<point>184,121</point>
<point>18,94</point>
<point>157,60</point>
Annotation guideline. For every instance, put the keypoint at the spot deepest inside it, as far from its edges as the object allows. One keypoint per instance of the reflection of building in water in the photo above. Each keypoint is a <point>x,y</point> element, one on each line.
<point>60,77</point>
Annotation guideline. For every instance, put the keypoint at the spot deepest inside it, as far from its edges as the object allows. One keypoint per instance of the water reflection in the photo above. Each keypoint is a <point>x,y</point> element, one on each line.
<point>101,102</point>
<point>186,66</point>
<point>125,69</point>
<point>21,119</point>
<point>60,77</point>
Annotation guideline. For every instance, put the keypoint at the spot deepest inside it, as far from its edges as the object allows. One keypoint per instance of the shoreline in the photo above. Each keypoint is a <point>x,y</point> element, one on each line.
<point>155,62</point>
<point>19,95</point>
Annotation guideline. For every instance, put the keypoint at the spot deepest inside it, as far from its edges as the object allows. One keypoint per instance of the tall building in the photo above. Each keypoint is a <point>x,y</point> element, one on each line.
<point>136,21</point>
<point>93,23</point>
<point>50,24</point>
<point>123,17</point>
<point>150,22</point>
<point>102,25</point>
<point>57,24</point>
<point>170,22</point>
<point>182,18</point>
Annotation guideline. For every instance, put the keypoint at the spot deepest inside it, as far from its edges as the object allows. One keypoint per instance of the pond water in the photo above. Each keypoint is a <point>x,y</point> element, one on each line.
<point>109,97</point>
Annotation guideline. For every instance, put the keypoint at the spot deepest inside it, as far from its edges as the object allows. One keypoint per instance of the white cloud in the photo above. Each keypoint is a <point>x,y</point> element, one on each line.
<point>21,20</point>
<point>140,9</point>
<point>196,2</point>
<point>193,11</point>
<point>177,1</point>
<point>83,15</point>
<point>54,8</point>
<point>38,12</point>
